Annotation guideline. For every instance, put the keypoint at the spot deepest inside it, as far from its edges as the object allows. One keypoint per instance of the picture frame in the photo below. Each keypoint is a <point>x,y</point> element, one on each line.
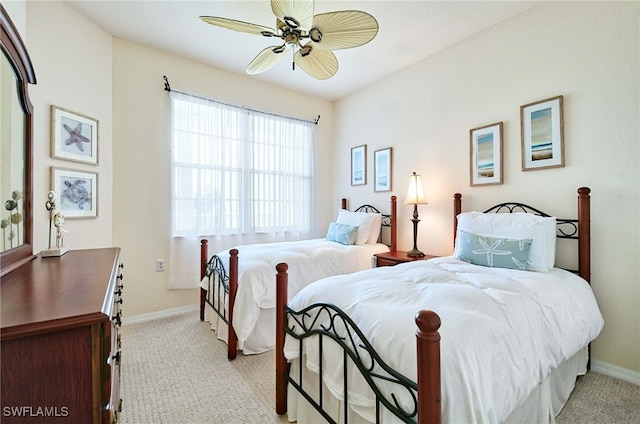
<point>542,134</point>
<point>74,137</point>
<point>76,192</point>
<point>382,169</point>
<point>485,155</point>
<point>359,165</point>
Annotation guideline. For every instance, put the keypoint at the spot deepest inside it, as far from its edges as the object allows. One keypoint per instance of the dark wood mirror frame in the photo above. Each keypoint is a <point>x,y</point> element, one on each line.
<point>14,49</point>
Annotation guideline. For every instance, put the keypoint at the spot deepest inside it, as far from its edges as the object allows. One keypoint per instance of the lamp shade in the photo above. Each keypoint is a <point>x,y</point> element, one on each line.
<point>415,195</point>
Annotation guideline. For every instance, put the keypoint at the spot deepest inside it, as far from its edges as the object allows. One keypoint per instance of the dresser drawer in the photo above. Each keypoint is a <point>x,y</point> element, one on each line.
<point>113,358</point>
<point>385,262</point>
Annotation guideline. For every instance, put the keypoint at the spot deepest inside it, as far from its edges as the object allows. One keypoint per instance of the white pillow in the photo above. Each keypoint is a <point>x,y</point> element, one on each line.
<point>362,220</point>
<point>376,226</point>
<point>521,225</point>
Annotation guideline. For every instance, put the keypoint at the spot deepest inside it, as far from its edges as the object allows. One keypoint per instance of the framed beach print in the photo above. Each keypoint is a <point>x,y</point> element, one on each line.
<point>74,136</point>
<point>382,169</point>
<point>359,165</point>
<point>485,152</point>
<point>77,192</point>
<point>542,128</point>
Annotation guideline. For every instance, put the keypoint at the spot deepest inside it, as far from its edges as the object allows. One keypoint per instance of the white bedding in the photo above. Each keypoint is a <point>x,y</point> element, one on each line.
<point>503,331</point>
<point>308,260</point>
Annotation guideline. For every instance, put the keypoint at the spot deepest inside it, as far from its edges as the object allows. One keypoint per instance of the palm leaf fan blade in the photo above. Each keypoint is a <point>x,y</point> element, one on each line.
<point>344,29</point>
<point>267,59</point>
<point>300,10</point>
<point>236,25</point>
<point>320,64</point>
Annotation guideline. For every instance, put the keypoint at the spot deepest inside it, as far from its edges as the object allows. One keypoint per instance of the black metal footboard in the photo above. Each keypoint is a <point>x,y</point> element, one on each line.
<point>220,293</point>
<point>217,295</point>
<point>331,325</point>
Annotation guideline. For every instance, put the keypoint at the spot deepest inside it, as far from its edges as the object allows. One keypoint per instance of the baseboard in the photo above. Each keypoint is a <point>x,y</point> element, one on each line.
<point>615,372</point>
<point>166,313</point>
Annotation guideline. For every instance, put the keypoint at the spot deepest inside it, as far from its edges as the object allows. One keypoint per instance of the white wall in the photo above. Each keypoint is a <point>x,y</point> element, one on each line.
<point>82,68</point>
<point>587,52</point>
<point>72,59</point>
<point>141,205</point>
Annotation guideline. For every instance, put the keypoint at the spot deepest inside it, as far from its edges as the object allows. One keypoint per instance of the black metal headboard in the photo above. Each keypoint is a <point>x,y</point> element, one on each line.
<point>566,228</point>
<point>386,218</point>
<point>578,229</point>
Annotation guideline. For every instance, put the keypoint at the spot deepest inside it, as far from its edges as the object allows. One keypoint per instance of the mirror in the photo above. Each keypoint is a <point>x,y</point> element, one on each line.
<point>16,73</point>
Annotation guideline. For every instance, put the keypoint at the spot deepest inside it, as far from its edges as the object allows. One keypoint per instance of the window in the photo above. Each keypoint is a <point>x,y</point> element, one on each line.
<point>237,171</point>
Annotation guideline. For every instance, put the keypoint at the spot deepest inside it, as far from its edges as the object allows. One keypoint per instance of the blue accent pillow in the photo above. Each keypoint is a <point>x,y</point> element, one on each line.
<point>492,252</point>
<point>342,233</point>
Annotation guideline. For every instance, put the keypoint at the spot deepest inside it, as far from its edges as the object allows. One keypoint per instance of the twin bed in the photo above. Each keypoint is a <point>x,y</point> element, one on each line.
<point>502,332</point>
<point>238,293</point>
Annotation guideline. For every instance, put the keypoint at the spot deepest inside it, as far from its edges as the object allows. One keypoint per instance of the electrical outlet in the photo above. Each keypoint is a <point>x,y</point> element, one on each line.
<point>160,265</point>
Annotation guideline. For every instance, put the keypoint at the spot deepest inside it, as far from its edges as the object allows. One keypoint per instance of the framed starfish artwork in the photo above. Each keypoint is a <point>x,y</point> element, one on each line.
<point>74,136</point>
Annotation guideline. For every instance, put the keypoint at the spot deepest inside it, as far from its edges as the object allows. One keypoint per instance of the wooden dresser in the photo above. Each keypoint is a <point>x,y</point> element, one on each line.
<point>60,345</point>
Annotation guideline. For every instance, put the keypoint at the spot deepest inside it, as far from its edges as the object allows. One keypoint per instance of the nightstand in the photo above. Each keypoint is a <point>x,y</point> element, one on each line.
<point>397,257</point>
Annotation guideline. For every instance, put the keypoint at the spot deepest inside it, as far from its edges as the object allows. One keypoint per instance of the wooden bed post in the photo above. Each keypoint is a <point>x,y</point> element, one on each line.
<point>344,203</point>
<point>584,233</point>
<point>457,210</point>
<point>394,224</point>
<point>232,342</point>
<point>428,346</point>
<point>282,283</point>
<point>204,257</point>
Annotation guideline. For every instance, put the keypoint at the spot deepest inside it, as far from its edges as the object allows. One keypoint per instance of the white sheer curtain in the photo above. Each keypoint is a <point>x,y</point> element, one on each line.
<point>238,177</point>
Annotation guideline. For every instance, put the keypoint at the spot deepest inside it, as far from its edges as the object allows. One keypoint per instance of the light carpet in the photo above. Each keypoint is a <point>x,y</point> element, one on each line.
<point>175,371</point>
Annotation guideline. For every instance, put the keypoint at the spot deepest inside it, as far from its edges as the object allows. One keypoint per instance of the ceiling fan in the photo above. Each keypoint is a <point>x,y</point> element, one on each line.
<point>295,22</point>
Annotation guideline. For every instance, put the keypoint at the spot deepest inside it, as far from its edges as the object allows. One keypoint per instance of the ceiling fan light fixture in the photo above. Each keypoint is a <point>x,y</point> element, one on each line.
<point>315,35</point>
<point>306,50</point>
<point>291,22</point>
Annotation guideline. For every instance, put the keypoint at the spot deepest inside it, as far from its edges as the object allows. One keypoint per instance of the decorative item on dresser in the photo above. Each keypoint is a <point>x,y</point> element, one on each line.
<point>60,339</point>
<point>55,219</point>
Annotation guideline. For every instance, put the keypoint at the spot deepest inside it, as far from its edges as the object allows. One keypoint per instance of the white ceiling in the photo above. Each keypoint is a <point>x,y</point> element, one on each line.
<point>409,31</point>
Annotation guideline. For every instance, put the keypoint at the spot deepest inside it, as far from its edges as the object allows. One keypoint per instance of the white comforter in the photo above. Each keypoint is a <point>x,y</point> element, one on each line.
<point>503,331</point>
<point>308,260</point>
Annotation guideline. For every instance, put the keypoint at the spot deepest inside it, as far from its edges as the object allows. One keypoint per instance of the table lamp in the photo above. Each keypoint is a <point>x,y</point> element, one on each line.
<point>415,197</point>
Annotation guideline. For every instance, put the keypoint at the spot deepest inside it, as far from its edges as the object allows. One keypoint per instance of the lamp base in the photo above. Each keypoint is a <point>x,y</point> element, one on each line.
<point>415,253</point>
<point>50,253</point>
